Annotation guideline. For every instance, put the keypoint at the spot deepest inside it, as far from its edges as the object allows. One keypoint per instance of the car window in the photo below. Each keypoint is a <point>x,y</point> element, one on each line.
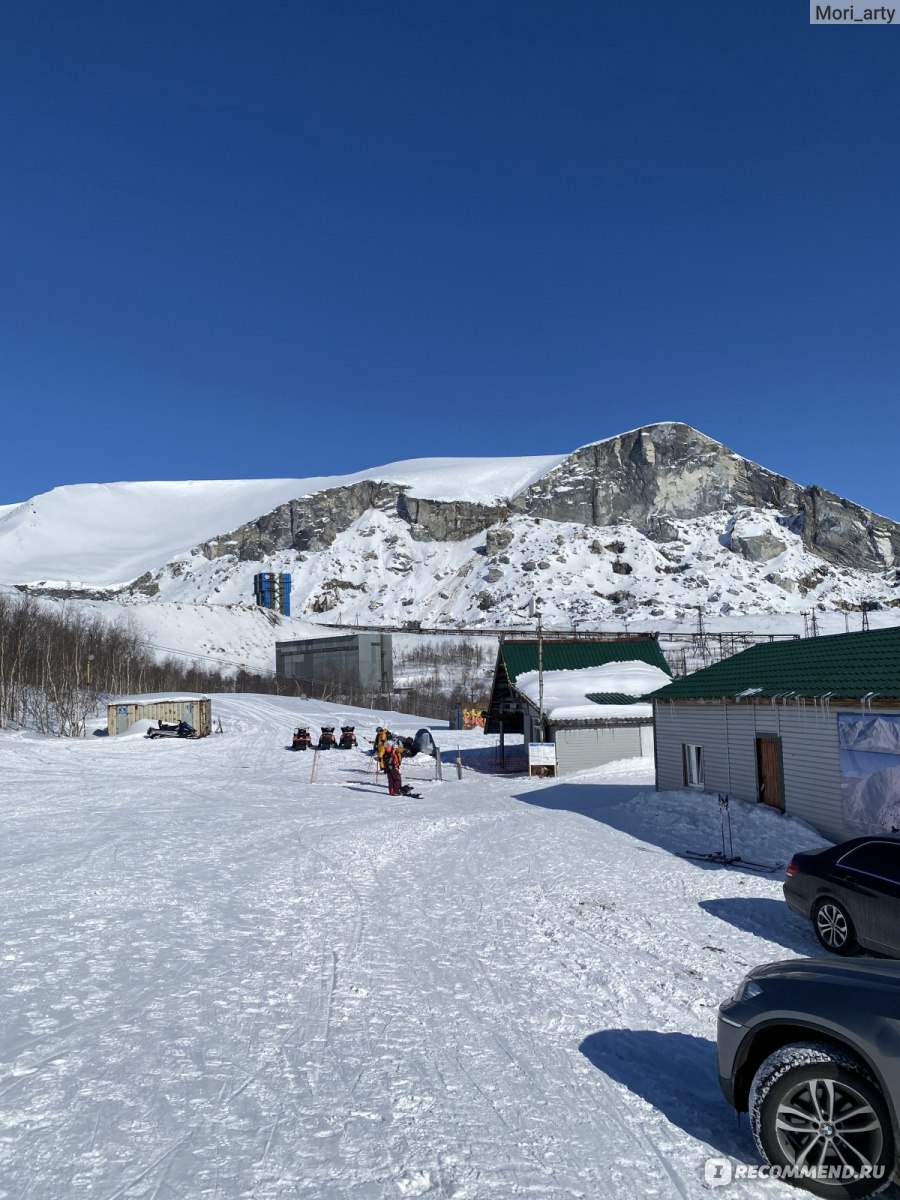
<point>875,858</point>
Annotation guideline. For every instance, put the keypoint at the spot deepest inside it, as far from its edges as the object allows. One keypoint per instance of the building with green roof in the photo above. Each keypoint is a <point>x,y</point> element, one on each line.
<point>585,695</point>
<point>810,727</point>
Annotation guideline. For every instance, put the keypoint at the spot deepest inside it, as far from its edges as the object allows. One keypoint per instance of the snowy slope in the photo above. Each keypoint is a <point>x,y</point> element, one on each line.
<point>376,573</point>
<point>225,979</point>
<point>107,534</point>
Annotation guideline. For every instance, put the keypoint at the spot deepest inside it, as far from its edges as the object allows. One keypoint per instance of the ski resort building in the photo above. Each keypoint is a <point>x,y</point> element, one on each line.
<point>810,727</point>
<point>584,695</point>
<point>125,711</point>
<point>359,663</point>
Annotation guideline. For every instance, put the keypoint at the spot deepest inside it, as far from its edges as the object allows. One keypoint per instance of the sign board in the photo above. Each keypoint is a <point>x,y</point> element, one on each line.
<point>541,754</point>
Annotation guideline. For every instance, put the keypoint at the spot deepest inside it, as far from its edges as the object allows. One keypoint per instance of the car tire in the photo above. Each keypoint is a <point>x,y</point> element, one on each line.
<point>834,928</point>
<point>823,1082</point>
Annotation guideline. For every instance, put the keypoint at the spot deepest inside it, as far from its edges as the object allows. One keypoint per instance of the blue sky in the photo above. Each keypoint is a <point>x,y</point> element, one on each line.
<point>290,238</point>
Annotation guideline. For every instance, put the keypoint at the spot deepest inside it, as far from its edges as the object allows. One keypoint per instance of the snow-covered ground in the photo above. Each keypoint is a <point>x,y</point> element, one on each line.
<point>224,978</point>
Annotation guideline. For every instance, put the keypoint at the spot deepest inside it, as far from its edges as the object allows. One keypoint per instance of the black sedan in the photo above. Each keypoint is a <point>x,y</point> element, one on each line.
<point>851,893</point>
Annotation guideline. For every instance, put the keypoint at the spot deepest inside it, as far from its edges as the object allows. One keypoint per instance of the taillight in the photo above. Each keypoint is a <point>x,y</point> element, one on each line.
<point>792,868</point>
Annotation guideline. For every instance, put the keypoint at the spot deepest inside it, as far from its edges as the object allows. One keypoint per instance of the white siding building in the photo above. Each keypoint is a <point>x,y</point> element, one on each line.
<point>810,727</point>
<point>588,694</point>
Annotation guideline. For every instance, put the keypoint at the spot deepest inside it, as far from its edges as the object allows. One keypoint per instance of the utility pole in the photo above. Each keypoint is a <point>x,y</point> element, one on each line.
<point>541,672</point>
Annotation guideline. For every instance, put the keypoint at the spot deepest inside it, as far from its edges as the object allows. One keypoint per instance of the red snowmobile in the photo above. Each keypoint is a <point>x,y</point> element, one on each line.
<point>301,739</point>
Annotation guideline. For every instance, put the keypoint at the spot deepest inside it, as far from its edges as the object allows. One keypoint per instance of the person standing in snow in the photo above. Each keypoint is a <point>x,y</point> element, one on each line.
<point>382,737</point>
<point>391,765</point>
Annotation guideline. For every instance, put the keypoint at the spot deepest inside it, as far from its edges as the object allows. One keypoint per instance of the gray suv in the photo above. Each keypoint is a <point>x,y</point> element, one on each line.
<point>811,1047</point>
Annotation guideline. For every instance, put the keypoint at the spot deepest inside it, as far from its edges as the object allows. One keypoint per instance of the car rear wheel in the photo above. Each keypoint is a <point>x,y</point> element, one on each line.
<point>834,928</point>
<point>816,1110</point>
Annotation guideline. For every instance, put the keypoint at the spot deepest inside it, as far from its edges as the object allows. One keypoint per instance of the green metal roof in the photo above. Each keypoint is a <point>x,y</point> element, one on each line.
<point>844,665</point>
<point>521,657</point>
<point>615,698</point>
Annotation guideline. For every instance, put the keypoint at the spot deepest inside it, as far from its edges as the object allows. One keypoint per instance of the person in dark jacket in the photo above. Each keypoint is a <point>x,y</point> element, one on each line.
<point>391,764</point>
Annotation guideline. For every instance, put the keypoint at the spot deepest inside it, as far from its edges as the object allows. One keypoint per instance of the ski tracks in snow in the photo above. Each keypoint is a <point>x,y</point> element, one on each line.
<point>222,982</point>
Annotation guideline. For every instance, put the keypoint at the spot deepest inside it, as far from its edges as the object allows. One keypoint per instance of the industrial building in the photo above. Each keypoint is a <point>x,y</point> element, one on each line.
<point>273,590</point>
<point>360,662</point>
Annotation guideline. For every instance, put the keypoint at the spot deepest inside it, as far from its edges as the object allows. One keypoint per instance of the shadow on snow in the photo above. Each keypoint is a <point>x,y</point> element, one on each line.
<point>654,823</point>
<point>676,1074</point>
<point>766,918</point>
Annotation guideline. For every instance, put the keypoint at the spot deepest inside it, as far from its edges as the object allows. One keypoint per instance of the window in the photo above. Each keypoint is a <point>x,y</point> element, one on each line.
<point>693,766</point>
<point>874,858</point>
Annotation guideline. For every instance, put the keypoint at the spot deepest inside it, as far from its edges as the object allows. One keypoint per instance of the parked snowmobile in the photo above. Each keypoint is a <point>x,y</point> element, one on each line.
<point>301,739</point>
<point>347,739</point>
<point>179,730</point>
<point>326,738</point>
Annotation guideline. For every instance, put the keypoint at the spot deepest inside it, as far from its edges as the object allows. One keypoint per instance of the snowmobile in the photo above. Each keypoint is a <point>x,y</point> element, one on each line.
<point>326,738</point>
<point>179,730</point>
<point>301,739</point>
<point>348,738</point>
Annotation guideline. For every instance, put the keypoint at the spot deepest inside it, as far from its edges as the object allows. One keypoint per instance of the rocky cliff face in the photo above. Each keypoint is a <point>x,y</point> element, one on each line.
<point>650,526</point>
<point>309,523</point>
<point>313,522</point>
<point>672,471</point>
<point>645,478</point>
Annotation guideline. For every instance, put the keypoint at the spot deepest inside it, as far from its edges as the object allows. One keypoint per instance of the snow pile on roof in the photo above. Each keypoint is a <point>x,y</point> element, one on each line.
<point>159,698</point>
<point>566,692</point>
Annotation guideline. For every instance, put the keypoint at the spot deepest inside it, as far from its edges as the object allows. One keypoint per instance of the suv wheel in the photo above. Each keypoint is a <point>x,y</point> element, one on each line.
<point>814,1107</point>
<point>834,928</point>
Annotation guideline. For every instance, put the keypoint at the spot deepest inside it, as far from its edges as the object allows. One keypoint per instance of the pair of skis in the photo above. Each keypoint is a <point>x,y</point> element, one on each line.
<point>405,790</point>
<point>726,857</point>
<point>719,859</point>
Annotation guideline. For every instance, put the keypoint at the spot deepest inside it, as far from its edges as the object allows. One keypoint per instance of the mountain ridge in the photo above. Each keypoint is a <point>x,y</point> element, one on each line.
<point>644,527</point>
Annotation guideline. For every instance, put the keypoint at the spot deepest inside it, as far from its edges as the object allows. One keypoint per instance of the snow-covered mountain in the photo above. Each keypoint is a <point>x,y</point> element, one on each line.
<point>644,528</point>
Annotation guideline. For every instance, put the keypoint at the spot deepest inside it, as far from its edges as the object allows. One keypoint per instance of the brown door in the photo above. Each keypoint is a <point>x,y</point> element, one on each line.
<point>768,771</point>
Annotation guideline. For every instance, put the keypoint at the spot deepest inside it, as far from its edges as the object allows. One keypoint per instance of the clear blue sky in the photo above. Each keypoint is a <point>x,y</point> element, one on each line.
<point>288,238</point>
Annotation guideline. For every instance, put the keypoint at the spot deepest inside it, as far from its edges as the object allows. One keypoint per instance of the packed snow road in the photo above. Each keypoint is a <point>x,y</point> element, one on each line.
<point>223,980</point>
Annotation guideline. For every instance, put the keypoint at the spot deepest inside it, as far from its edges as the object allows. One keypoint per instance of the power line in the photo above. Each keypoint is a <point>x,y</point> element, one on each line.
<point>242,666</point>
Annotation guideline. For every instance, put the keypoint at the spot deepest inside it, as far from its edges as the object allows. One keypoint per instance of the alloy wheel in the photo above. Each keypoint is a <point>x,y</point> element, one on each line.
<point>832,926</point>
<point>828,1123</point>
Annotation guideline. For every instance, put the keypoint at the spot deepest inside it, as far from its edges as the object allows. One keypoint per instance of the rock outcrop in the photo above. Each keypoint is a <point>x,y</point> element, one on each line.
<point>658,473</point>
<point>647,478</point>
<point>309,523</point>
